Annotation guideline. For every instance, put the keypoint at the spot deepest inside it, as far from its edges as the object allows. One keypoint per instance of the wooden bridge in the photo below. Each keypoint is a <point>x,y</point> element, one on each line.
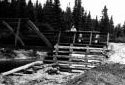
<point>71,54</point>
<point>22,32</point>
<point>71,50</point>
<point>79,50</point>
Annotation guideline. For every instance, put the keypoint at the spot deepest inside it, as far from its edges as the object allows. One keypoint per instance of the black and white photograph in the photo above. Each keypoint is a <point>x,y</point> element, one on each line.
<point>62,42</point>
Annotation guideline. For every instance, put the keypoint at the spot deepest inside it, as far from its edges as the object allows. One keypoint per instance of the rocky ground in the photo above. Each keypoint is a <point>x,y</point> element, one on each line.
<point>108,74</point>
<point>112,72</point>
<point>45,76</point>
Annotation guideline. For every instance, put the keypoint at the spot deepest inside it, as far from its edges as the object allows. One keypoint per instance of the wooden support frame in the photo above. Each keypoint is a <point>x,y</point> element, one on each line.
<point>21,68</point>
<point>17,32</point>
<point>11,29</point>
<point>47,42</point>
<point>90,42</point>
<point>74,37</point>
<point>108,38</point>
<point>59,37</point>
<point>57,44</point>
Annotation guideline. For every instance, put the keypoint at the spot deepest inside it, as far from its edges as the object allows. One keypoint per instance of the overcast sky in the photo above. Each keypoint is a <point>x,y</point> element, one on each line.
<point>115,8</point>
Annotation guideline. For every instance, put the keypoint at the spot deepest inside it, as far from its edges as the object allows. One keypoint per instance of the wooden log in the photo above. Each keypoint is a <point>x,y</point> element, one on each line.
<point>40,34</point>
<point>19,74</point>
<point>108,35</point>
<point>77,71</point>
<point>17,32</point>
<point>78,47</point>
<point>11,29</point>
<point>21,68</point>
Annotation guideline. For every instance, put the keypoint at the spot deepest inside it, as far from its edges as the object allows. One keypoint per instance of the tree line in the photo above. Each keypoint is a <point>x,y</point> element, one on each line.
<point>53,16</point>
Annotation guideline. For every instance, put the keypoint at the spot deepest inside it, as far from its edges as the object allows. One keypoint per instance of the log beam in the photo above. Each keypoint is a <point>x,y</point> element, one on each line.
<point>47,42</point>
<point>21,68</point>
<point>11,29</point>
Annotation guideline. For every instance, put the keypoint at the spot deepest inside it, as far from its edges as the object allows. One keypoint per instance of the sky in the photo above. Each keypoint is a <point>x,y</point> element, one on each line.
<point>115,8</point>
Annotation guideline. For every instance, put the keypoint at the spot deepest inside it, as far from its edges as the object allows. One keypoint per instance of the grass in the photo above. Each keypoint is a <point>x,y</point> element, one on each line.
<point>108,74</point>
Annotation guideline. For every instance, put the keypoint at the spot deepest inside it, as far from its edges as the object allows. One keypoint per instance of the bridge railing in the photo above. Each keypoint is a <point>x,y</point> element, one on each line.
<point>25,31</point>
<point>84,38</point>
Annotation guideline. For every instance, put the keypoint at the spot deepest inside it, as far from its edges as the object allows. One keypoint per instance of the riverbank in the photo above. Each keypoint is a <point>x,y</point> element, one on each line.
<point>15,58</point>
<point>111,72</point>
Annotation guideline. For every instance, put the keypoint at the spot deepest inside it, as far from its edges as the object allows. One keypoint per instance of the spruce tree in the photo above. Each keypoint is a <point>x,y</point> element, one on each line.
<point>21,9</point>
<point>96,24</point>
<point>68,18</point>
<point>77,14</point>
<point>58,15</point>
<point>38,12</point>
<point>123,29</point>
<point>13,8</point>
<point>111,25</point>
<point>30,11</point>
<point>48,13</point>
<point>105,24</point>
<point>5,9</point>
<point>0,8</point>
<point>119,31</point>
<point>89,23</point>
<point>84,21</point>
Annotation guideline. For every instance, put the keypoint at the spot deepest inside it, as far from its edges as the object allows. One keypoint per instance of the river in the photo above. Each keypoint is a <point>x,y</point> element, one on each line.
<point>8,64</point>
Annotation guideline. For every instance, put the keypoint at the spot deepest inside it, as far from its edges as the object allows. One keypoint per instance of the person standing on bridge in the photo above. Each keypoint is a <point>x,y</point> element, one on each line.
<point>73,29</point>
<point>97,38</point>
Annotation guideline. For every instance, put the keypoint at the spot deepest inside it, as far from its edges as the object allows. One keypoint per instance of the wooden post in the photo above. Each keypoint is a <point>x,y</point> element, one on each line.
<point>57,44</point>
<point>90,42</point>
<point>59,37</point>
<point>71,45</point>
<point>17,32</point>
<point>74,37</point>
<point>39,34</point>
<point>11,29</point>
<point>108,38</point>
<point>86,56</point>
<point>56,49</point>
<point>71,48</point>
